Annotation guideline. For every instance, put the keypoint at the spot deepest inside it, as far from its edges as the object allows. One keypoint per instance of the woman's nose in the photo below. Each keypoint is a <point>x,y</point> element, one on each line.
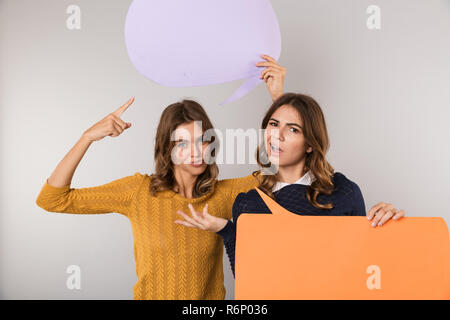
<point>195,151</point>
<point>278,134</point>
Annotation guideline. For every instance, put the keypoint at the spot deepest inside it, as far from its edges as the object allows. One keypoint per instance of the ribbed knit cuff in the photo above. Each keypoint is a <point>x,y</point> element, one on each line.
<point>227,231</point>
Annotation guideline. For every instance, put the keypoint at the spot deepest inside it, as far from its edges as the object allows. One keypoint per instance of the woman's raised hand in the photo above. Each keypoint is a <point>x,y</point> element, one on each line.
<point>273,75</point>
<point>111,125</point>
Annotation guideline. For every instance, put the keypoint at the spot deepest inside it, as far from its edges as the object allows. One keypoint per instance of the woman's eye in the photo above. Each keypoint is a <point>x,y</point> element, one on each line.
<point>295,130</point>
<point>182,144</point>
<point>273,124</point>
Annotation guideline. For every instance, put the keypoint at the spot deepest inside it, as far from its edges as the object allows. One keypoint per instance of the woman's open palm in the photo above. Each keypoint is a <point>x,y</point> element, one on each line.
<point>202,220</point>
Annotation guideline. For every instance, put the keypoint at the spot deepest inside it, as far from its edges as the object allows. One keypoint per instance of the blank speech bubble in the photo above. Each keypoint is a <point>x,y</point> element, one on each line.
<point>186,43</point>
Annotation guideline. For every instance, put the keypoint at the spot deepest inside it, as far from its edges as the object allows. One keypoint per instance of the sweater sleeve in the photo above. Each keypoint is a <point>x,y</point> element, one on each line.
<point>228,233</point>
<point>115,196</point>
<point>359,207</point>
<point>242,185</point>
<point>236,186</point>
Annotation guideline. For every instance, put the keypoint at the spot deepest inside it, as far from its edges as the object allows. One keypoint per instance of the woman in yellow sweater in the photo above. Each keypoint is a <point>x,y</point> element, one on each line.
<point>172,262</point>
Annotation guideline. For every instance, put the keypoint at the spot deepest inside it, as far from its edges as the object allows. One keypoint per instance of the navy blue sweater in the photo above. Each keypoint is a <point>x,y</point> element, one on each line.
<point>346,198</point>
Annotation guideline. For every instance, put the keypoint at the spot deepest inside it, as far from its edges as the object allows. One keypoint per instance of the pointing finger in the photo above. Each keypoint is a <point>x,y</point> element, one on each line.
<point>122,109</point>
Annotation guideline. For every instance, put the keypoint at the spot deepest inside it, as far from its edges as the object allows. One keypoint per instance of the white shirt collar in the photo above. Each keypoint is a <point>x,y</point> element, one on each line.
<point>307,179</point>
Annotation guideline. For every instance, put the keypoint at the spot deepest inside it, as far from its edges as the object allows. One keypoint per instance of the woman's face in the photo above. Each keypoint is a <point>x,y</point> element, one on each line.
<point>189,150</point>
<point>284,139</point>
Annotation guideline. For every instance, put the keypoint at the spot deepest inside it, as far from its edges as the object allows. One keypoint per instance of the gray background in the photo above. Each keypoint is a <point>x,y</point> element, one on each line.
<point>385,94</point>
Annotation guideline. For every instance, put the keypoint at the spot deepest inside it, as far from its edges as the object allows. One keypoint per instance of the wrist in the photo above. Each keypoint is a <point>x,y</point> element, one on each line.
<point>86,139</point>
<point>221,224</point>
<point>276,95</point>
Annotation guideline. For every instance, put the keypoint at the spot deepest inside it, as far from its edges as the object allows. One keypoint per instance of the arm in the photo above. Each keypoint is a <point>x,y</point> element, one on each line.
<point>111,125</point>
<point>56,194</point>
<point>115,196</point>
<point>62,175</point>
<point>240,185</point>
<point>359,207</point>
<point>228,233</point>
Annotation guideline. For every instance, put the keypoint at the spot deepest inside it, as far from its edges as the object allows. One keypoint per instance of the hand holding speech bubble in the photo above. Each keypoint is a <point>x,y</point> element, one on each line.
<point>186,43</point>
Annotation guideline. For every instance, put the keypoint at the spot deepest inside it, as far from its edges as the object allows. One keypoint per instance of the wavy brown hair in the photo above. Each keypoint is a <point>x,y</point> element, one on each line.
<point>174,115</point>
<point>316,136</point>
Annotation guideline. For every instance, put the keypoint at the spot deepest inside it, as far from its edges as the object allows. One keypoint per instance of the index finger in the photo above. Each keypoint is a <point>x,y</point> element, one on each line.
<point>269,58</point>
<point>121,110</point>
<point>374,209</point>
<point>195,214</point>
<point>189,219</point>
<point>269,64</point>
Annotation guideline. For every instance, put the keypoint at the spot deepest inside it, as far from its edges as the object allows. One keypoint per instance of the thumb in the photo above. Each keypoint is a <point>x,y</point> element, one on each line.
<point>128,124</point>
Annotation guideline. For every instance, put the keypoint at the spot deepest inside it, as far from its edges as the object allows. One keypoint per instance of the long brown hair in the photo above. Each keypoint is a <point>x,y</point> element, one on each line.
<point>174,115</point>
<point>316,136</point>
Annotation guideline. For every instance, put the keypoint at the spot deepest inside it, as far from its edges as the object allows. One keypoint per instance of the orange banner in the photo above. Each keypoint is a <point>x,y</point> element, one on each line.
<point>288,256</point>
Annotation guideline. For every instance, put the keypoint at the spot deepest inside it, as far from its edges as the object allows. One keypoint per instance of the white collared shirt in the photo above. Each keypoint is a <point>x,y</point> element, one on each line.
<point>307,179</point>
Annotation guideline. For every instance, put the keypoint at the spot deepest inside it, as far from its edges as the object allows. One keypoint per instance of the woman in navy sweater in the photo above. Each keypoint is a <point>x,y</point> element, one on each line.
<point>297,174</point>
<point>303,182</point>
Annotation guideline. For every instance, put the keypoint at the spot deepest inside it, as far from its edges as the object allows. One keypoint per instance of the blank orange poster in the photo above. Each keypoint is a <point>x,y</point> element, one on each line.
<point>288,256</point>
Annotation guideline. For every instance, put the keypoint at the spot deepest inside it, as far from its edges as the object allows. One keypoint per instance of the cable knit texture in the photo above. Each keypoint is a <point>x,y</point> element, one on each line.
<point>346,198</point>
<point>172,261</point>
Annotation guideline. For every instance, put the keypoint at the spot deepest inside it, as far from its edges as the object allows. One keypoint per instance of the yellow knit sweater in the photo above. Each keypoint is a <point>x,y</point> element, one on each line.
<point>172,261</point>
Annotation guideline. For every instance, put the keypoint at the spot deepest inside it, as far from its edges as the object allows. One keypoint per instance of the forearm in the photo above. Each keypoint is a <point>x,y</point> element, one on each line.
<point>276,95</point>
<point>228,234</point>
<point>63,173</point>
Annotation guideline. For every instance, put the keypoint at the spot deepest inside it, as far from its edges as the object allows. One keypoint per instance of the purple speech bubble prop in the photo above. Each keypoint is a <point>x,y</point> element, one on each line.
<point>185,43</point>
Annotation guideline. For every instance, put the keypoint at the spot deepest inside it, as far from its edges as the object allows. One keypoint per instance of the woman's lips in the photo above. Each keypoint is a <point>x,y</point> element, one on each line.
<point>196,163</point>
<point>275,150</point>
